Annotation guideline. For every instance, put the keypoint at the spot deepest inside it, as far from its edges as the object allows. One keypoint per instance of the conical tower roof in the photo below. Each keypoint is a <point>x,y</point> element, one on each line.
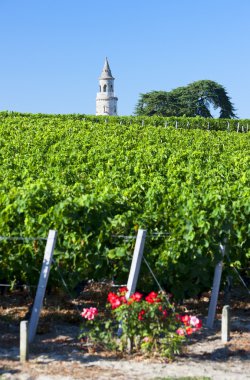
<point>106,72</point>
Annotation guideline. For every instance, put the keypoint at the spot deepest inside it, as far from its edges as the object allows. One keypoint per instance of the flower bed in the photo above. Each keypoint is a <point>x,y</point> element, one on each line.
<point>138,324</point>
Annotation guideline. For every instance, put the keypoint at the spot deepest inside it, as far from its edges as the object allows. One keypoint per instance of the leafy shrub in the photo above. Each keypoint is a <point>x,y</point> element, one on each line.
<point>138,324</point>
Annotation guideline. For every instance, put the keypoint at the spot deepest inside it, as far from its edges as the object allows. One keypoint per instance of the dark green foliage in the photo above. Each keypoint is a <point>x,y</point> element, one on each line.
<point>196,99</point>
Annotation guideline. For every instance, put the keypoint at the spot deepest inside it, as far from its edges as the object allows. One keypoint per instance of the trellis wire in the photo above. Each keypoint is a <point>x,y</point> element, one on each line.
<point>152,273</point>
<point>97,122</point>
<point>238,274</point>
<point>124,237</point>
<point>241,279</point>
<point>153,234</point>
<point>158,284</point>
<point>156,234</point>
<point>22,238</point>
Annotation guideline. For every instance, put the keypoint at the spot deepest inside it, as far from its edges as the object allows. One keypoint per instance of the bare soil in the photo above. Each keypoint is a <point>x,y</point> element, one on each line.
<point>57,353</point>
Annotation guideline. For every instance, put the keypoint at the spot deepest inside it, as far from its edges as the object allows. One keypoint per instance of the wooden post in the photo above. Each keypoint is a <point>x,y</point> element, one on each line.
<point>225,324</point>
<point>136,262</point>
<point>215,290</point>
<point>44,275</point>
<point>24,346</point>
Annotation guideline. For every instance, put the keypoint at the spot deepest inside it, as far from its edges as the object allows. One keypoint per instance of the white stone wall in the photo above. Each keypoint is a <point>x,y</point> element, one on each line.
<point>109,83</point>
<point>106,104</point>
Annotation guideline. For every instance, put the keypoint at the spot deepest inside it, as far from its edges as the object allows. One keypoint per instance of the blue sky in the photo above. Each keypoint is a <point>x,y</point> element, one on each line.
<point>53,51</point>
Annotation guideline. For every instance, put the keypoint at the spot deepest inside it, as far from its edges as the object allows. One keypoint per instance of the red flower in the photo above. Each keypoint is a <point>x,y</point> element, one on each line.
<point>114,300</point>
<point>116,303</point>
<point>152,297</point>
<point>123,290</point>
<point>136,297</point>
<point>189,330</point>
<point>185,319</point>
<point>141,314</point>
<point>164,312</point>
<point>112,297</point>
<point>123,299</point>
<point>199,325</point>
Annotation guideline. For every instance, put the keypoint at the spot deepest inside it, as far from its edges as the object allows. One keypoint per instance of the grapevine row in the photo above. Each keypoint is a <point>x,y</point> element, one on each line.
<point>94,181</point>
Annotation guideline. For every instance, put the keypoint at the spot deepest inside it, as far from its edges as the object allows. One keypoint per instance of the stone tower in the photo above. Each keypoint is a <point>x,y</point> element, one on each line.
<point>106,101</point>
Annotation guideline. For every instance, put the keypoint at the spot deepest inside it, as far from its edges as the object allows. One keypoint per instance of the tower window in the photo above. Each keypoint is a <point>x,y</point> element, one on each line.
<point>111,88</point>
<point>105,88</point>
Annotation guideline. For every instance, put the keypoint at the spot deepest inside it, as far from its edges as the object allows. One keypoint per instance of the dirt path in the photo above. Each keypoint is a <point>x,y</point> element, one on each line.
<point>57,352</point>
<point>59,355</point>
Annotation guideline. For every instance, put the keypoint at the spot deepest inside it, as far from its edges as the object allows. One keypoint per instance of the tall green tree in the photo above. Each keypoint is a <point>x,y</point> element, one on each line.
<point>195,99</point>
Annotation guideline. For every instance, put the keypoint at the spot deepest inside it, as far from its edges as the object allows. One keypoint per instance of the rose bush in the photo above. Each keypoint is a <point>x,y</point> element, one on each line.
<point>139,324</point>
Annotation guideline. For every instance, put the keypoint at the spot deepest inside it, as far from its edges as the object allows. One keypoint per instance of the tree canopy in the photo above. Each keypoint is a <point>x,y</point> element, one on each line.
<point>195,99</point>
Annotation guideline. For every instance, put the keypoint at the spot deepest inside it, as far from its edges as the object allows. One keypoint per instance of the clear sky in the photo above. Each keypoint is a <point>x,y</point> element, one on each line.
<point>53,51</point>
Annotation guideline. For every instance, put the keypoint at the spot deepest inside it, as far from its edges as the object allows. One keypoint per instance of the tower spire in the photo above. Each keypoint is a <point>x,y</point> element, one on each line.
<point>106,101</point>
<point>106,72</point>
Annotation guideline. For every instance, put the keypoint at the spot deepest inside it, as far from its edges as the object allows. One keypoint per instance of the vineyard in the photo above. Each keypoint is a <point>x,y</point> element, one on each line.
<point>96,180</point>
